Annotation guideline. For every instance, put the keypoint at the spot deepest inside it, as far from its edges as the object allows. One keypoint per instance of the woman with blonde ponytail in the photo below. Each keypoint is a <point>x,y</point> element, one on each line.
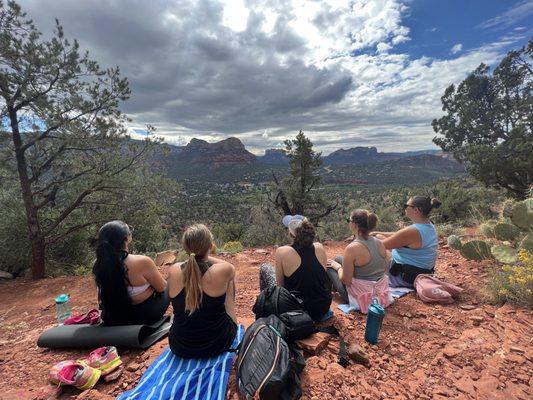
<point>360,273</point>
<point>202,292</point>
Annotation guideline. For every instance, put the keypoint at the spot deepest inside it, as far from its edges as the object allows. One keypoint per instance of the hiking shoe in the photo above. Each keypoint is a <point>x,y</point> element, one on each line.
<point>106,359</point>
<point>74,373</point>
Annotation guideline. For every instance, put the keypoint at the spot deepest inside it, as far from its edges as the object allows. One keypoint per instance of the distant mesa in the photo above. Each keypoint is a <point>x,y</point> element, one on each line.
<point>227,152</point>
<point>274,156</point>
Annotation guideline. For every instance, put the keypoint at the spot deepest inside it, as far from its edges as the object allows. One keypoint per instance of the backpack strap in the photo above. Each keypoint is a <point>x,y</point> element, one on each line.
<point>343,357</point>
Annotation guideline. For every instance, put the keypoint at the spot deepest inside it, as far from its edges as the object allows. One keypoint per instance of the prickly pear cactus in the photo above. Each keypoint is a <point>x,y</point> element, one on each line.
<point>527,243</point>
<point>454,242</point>
<point>504,231</point>
<point>476,250</point>
<point>504,254</point>
<point>487,229</point>
<point>522,215</point>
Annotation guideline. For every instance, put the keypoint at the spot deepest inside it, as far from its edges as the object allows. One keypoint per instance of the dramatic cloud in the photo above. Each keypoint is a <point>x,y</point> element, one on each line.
<point>262,70</point>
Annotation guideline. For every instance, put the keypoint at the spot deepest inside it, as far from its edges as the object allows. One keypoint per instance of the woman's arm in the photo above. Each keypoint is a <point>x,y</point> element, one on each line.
<point>404,237</point>
<point>230,300</point>
<point>152,275</point>
<point>348,262</point>
<point>384,234</point>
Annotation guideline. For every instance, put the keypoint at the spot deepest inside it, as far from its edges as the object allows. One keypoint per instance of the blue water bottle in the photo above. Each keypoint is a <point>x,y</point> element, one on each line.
<point>374,319</point>
<point>63,310</point>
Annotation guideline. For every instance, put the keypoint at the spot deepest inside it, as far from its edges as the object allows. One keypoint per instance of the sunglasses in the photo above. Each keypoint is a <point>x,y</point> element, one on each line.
<point>131,229</point>
<point>408,205</point>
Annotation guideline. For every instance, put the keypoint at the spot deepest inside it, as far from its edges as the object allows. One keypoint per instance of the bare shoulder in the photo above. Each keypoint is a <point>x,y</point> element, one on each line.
<point>223,268</point>
<point>284,250</point>
<point>175,270</point>
<point>318,245</point>
<point>140,259</point>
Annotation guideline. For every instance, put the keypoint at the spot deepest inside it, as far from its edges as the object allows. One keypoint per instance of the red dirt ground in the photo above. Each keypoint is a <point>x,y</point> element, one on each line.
<point>467,350</point>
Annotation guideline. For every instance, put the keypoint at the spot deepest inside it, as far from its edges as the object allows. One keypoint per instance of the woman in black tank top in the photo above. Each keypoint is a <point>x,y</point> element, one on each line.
<point>309,282</point>
<point>204,325</point>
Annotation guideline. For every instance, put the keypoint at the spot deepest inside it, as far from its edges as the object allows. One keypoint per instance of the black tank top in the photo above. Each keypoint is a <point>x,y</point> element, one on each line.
<point>310,283</point>
<point>206,332</point>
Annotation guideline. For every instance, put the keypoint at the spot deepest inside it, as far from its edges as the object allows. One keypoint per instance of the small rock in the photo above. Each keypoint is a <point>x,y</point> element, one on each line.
<point>113,375</point>
<point>6,275</point>
<point>358,354</point>
<point>133,367</point>
<point>467,307</point>
<point>516,349</point>
<point>477,320</point>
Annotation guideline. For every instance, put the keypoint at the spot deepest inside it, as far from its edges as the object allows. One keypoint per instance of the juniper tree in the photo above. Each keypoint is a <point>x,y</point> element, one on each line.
<point>61,128</point>
<point>488,123</point>
<point>297,193</point>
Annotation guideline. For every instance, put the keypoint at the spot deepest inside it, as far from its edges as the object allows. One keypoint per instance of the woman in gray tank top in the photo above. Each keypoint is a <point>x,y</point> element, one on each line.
<point>365,258</point>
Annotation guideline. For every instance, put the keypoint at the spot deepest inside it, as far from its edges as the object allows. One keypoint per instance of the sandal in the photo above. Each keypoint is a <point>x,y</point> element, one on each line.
<point>74,373</point>
<point>106,359</point>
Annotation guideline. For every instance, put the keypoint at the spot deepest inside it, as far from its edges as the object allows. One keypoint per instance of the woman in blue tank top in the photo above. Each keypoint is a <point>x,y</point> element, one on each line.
<point>414,248</point>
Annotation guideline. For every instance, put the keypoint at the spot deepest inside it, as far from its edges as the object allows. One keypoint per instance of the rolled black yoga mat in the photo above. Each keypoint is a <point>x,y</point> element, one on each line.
<point>83,335</point>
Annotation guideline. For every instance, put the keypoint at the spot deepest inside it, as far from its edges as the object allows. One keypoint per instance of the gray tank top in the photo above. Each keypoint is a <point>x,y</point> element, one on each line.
<point>375,268</point>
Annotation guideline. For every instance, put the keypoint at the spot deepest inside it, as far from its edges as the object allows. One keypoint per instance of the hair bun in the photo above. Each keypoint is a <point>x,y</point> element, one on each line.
<point>435,203</point>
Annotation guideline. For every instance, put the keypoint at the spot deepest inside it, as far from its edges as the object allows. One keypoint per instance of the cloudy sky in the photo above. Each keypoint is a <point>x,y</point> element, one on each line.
<point>348,73</point>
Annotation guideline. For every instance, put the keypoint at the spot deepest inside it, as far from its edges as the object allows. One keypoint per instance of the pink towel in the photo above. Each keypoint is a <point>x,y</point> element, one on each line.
<point>433,290</point>
<point>361,292</point>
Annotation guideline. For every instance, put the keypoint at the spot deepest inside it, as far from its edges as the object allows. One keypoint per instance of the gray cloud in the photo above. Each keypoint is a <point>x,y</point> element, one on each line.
<point>193,76</point>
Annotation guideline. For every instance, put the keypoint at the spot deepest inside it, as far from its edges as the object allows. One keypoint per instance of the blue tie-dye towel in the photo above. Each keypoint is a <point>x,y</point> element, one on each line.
<point>171,377</point>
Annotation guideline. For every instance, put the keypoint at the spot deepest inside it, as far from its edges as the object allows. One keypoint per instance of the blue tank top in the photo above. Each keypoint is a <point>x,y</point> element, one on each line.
<point>424,257</point>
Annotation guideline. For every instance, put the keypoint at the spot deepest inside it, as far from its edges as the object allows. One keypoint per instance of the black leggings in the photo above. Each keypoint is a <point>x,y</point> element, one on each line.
<point>336,283</point>
<point>149,311</point>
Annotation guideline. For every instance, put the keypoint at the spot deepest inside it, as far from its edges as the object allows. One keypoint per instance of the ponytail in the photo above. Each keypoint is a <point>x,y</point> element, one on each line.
<point>197,241</point>
<point>192,282</point>
<point>366,221</point>
<point>109,270</point>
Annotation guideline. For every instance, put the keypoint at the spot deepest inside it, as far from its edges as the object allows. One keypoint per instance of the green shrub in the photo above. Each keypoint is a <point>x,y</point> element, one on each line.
<point>232,247</point>
<point>445,230</point>
<point>14,242</point>
<point>513,283</point>
<point>487,229</point>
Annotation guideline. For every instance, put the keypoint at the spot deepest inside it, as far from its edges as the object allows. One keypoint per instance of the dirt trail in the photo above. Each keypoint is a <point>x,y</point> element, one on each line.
<point>467,350</point>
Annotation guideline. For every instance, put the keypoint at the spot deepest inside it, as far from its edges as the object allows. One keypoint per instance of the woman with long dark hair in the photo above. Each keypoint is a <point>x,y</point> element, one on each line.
<point>130,288</point>
<point>203,298</point>
<point>414,248</point>
<point>301,268</point>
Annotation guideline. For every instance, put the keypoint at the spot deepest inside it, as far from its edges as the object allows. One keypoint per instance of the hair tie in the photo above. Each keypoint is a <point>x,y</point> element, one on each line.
<point>192,254</point>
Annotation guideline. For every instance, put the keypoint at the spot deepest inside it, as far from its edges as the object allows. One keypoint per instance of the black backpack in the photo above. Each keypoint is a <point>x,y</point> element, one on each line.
<point>266,365</point>
<point>276,300</point>
<point>299,325</point>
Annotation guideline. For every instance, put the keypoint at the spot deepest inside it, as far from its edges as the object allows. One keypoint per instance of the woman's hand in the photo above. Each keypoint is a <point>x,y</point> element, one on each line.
<point>334,264</point>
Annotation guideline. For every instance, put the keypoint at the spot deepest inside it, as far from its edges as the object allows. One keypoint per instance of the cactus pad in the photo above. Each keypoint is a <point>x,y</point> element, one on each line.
<point>504,254</point>
<point>523,214</point>
<point>454,242</point>
<point>504,231</point>
<point>476,250</point>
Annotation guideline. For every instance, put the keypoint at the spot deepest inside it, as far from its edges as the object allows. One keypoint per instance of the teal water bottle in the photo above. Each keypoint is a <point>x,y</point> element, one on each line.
<point>374,319</point>
<point>63,310</point>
